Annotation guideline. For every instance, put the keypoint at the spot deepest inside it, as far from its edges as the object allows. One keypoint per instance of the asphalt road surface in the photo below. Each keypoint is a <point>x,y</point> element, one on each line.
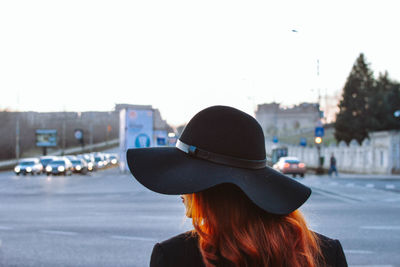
<point>108,219</point>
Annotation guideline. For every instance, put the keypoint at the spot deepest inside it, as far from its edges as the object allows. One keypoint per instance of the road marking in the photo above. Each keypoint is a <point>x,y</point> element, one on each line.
<point>333,183</point>
<point>133,238</point>
<point>381,227</point>
<point>346,251</point>
<point>58,232</point>
<point>335,195</point>
<point>370,185</point>
<point>5,228</point>
<point>390,186</point>
<point>391,199</point>
<point>350,184</point>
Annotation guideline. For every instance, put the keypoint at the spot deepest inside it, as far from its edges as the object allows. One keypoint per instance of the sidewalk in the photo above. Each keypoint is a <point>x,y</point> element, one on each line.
<point>358,175</point>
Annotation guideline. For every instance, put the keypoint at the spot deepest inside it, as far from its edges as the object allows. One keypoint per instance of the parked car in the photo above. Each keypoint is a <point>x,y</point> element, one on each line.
<point>59,166</point>
<point>79,166</point>
<point>45,160</point>
<point>28,166</point>
<point>290,165</point>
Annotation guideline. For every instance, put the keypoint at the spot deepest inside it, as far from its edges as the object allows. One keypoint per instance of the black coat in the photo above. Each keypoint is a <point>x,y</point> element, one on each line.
<point>182,250</point>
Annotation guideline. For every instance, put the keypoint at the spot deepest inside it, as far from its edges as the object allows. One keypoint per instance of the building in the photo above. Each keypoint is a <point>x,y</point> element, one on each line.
<point>159,123</point>
<point>276,120</point>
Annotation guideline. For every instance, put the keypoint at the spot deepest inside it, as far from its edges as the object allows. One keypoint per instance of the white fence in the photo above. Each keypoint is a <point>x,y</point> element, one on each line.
<point>380,154</point>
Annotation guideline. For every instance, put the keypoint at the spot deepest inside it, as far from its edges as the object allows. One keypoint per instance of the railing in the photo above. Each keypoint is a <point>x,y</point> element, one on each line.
<point>8,164</point>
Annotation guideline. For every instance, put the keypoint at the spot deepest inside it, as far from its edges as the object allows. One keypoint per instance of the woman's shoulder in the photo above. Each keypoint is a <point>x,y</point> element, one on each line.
<point>332,251</point>
<point>180,250</point>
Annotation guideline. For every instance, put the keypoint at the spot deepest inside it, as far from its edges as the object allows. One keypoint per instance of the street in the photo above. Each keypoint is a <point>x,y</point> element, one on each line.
<point>108,219</point>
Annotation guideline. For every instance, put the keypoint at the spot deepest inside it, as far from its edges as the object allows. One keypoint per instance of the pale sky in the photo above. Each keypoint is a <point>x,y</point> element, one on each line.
<point>183,56</point>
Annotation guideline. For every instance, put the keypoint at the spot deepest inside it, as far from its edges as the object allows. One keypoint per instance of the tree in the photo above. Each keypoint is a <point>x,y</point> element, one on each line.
<point>389,92</point>
<point>351,121</point>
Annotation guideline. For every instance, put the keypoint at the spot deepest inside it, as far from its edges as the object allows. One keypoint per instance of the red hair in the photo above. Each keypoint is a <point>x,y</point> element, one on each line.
<point>234,231</point>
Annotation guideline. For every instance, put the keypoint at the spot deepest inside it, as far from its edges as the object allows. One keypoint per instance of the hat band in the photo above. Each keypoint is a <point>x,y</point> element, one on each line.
<point>220,159</point>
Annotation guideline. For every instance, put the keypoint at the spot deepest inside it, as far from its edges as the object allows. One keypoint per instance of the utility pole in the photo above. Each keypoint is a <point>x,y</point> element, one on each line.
<point>91,131</point>
<point>17,131</point>
<point>17,139</point>
<point>63,134</point>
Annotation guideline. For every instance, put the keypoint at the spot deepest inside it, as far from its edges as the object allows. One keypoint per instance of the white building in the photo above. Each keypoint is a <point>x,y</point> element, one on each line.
<point>275,120</point>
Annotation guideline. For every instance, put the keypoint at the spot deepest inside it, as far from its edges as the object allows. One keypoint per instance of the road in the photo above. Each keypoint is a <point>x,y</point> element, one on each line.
<point>108,219</point>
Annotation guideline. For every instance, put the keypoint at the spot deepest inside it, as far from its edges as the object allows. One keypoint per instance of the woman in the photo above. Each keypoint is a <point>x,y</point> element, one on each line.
<point>243,212</point>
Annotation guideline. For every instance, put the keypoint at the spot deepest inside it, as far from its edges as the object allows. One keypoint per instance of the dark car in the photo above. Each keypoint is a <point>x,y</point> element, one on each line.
<point>79,166</point>
<point>100,161</point>
<point>89,161</point>
<point>45,160</point>
<point>59,166</point>
<point>113,159</point>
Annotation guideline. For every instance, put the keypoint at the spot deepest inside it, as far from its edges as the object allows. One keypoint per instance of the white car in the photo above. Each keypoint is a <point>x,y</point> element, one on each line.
<point>290,165</point>
<point>28,166</point>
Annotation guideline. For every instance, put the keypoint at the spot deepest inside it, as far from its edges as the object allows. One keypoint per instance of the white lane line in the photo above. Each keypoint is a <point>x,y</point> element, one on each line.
<point>335,195</point>
<point>133,238</point>
<point>351,251</point>
<point>390,186</point>
<point>5,228</point>
<point>58,232</point>
<point>381,227</point>
<point>391,199</point>
<point>370,185</point>
<point>350,184</point>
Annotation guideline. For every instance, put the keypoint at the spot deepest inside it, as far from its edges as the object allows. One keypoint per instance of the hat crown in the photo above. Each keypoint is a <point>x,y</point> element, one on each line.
<point>227,131</point>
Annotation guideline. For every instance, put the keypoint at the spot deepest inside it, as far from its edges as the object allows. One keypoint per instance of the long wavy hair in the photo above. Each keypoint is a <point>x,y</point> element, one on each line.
<point>233,231</point>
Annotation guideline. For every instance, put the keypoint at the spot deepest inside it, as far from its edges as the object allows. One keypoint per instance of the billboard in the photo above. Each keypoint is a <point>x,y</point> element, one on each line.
<point>139,128</point>
<point>46,137</point>
<point>136,131</point>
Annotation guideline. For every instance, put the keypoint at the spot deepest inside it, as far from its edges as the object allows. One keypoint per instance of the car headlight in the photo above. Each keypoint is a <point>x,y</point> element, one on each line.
<point>100,163</point>
<point>78,167</point>
<point>49,169</point>
<point>90,168</point>
<point>114,161</point>
<point>90,165</point>
<point>61,168</point>
<point>29,169</point>
<point>17,169</point>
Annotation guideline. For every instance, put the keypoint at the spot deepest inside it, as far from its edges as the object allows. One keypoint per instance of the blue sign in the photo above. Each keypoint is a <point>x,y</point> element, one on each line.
<point>160,137</point>
<point>139,125</point>
<point>46,137</point>
<point>303,141</point>
<point>319,131</point>
<point>275,139</point>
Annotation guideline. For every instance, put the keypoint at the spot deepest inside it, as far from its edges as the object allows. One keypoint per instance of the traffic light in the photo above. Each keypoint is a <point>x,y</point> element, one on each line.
<point>318,140</point>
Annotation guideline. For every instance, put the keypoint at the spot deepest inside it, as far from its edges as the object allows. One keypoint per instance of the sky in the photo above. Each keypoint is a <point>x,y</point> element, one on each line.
<point>183,56</point>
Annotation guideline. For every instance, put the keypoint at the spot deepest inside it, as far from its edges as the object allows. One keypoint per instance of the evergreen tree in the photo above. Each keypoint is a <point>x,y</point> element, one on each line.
<point>391,102</point>
<point>352,119</point>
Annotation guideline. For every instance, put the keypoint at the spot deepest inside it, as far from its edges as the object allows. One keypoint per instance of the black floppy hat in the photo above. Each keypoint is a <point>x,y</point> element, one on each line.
<point>220,144</point>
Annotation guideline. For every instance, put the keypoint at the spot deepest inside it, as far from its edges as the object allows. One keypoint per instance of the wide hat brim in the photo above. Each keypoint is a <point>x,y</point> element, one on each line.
<point>168,170</point>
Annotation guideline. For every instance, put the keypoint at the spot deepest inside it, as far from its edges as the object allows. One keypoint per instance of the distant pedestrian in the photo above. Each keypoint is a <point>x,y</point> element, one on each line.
<point>332,167</point>
<point>243,212</point>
